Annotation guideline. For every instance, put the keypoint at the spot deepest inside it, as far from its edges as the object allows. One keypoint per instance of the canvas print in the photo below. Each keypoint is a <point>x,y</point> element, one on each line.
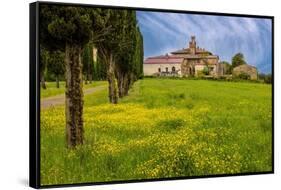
<point>133,94</point>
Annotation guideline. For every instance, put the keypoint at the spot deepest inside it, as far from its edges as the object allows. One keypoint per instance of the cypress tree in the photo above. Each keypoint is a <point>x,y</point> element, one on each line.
<point>69,29</point>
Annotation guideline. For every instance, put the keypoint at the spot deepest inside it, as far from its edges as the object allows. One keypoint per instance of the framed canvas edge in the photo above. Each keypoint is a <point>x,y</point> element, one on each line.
<point>34,94</point>
<point>34,97</point>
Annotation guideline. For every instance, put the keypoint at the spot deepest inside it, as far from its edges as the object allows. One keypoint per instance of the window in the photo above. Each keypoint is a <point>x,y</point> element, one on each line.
<point>173,69</point>
<point>167,69</point>
<point>159,70</point>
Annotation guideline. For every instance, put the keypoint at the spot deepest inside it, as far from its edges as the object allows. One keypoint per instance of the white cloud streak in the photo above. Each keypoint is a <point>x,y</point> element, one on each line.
<point>222,35</point>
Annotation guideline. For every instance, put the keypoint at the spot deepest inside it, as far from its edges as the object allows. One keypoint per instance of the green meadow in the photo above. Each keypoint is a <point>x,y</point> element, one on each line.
<point>52,90</point>
<point>164,128</point>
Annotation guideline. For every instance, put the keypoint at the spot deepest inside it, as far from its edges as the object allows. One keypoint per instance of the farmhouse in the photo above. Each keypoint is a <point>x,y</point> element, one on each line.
<point>247,70</point>
<point>190,61</point>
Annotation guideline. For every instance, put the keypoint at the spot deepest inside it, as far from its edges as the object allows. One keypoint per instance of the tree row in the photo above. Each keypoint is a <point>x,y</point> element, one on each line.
<point>68,37</point>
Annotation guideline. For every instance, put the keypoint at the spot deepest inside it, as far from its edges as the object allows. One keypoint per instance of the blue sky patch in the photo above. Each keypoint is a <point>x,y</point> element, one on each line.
<point>222,35</point>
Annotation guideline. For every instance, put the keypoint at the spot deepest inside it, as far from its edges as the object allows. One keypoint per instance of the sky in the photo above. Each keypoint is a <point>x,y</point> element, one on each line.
<point>222,35</point>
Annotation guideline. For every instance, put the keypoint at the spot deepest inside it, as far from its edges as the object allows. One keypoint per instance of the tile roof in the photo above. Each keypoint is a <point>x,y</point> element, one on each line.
<point>187,51</point>
<point>164,59</point>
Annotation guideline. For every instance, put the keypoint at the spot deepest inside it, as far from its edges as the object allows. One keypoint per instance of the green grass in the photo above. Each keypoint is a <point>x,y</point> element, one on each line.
<point>164,128</point>
<point>52,90</point>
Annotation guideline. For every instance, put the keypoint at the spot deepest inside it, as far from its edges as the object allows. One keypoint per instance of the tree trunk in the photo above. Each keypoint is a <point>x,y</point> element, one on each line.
<point>73,96</point>
<point>86,79</point>
<point>129,81</point>
<point>57,81</point>
<point>126,85</point>
<point>43,84</point>
<point>90,77</point>
<point>112,86</point>
<point>120,84</point>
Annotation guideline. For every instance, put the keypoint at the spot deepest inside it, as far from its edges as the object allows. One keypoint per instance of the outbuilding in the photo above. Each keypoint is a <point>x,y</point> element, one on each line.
<point>246,70</point>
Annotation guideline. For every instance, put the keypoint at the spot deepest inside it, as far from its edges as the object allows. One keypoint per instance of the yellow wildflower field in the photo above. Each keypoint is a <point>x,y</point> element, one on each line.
<point>165,128</point>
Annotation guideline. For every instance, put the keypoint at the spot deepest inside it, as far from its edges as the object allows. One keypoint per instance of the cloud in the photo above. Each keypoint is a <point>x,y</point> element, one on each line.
<point>222,35</point>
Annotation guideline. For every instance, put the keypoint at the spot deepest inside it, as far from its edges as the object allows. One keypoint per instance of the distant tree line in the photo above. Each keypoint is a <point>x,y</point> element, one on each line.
<point>68,37</point>
<point>237,59</point>
<point>267,78</point>
<point>52,66</point>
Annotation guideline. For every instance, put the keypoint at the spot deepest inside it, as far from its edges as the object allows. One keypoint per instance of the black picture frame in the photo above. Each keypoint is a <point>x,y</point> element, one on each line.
<point>34,93</point>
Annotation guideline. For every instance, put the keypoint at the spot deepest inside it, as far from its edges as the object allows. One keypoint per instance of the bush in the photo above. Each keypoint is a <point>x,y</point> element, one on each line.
<point>206,70</point>
<point>149,76</point>
<point>200,74</point>
<point>266,78</point>
<point>222,78</point>
<point>243,76</point>
<point>141,76</point>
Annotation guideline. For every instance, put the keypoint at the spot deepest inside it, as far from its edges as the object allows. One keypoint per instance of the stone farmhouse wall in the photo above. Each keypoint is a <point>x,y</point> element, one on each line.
<point>153,69</point>
<point>246,69</point>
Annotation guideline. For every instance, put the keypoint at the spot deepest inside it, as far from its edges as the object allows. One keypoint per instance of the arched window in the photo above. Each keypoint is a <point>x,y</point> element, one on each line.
<point>159,70</point>
<point>173,69</point>
<point>167,69</point>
